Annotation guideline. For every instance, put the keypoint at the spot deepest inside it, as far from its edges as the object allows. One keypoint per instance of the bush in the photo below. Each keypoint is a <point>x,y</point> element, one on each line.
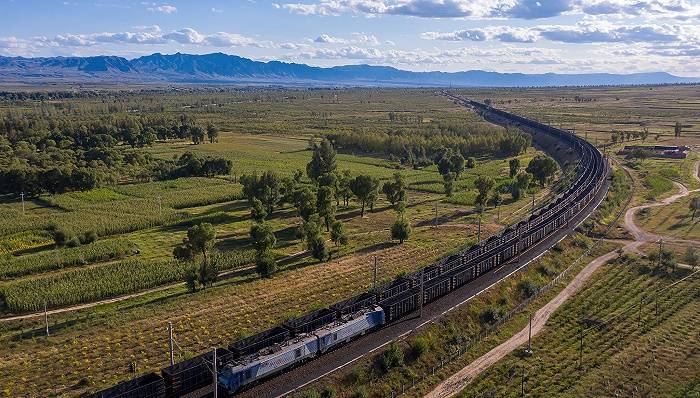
<point>420,346</point>
<point>527,288</point>
<point>490,315</point>
<point>400,230</point>
<point>329,392</point>
<point>361,392</point>
<point>88,237</point>
<point>73,242</point>
<point>265,265</point>
<point>392,357</point>
<point>60,237</point>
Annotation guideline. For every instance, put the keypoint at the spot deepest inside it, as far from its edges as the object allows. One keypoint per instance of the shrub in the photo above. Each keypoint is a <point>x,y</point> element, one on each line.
<point>73,242</point>
<point>265,264</point>
<point>392,357</point>
<point>60,237</point>
<point>527,288</point>
<point>490,315</point>
<point>88,237</point>
<point>419,346</point>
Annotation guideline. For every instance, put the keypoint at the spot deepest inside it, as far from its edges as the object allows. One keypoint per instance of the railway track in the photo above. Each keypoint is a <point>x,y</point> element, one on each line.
<point>298,347</point>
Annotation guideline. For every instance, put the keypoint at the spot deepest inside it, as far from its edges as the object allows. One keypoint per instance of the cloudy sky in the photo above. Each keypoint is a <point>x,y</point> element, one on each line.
<point>449,35</point>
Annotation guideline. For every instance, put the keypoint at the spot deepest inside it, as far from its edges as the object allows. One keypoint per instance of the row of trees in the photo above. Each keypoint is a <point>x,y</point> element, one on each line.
<point>420,148</point>
<point>620,136</point>
<point>43,154</point>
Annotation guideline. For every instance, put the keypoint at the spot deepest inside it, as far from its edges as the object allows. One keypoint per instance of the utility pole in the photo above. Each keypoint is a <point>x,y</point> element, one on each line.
<point>529,338</point>
<point>21,195</point>
<point>170,343</point>
<point>46,319</point>
<point>159,204</point>
<point>216,375</point>
<point>580,350</point>
<point>374,278</point>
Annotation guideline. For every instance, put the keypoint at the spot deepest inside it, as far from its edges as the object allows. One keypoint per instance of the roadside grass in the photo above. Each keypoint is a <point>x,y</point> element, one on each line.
<point>673,220</point>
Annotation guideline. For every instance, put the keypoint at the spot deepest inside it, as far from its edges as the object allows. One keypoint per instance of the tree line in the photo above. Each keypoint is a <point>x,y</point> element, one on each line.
<point>53,155</point>
<point>422,147</point>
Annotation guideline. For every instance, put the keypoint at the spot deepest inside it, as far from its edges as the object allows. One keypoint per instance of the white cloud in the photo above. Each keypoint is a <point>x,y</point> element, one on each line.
<point>327,39</point>
<point>584,32</point>
<point>165,9</point>
<point>524,9</point>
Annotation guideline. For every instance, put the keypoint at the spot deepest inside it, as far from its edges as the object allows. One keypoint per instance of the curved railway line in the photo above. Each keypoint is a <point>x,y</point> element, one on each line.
<point>344,332</point>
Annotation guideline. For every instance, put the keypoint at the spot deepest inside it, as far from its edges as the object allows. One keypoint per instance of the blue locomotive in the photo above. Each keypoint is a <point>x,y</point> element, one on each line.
<point>281,356</point>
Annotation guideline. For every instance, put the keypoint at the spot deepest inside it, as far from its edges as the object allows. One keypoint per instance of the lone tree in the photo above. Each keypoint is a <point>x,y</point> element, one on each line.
<point>257,211</point>
<point>395,190</point>
<point>305,202</point>
<point>322,160</point>
<point>339,235</point>
<point>694,206</point>
<point>200,240</point>
<point>514,165</point>
<point>312,235</point>
<point>364,188</point>
<point>520,185</point>
<point>448,183</point>
<point>212,133</point>
<point>542,167</point>
<point>691,256</point>
<point>401,229</point>
<point>484,186</point>
<point>677,129</point>
<point>326,205</point>
<point>496,201</point>
<point>263,241</point>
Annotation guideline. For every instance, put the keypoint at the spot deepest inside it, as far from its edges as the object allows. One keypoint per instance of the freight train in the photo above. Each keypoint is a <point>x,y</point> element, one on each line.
<point>264,354</point>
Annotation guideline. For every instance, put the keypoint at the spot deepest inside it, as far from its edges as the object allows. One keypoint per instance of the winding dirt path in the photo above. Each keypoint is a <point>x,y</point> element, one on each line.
<point>457,382</point>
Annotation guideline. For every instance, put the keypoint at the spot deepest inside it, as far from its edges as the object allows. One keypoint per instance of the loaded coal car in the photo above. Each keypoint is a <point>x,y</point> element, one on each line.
<point>252,344</point>
<point>436,288</point>
<point>400,305</point>
<point>394,288</point>
<point>192,374</point>
<point>355,304</point>
<point>311,321</point>
<point>150,385</point>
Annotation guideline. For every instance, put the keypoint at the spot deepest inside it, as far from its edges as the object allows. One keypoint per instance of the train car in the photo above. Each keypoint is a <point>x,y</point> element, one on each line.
<point>258,341</point>
<point>192,374</point>
<point>355,304</point>
<point>267,362</point>
<point>400,305</point>
<point>436,288</point>
<point>149,385</point>
<point>394,288</point>
<point>349,327</point>
<point>311,321</point>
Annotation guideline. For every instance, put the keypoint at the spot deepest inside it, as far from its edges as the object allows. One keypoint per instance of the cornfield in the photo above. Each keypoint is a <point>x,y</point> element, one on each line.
<point>11,266</point>
<point>109,280</point>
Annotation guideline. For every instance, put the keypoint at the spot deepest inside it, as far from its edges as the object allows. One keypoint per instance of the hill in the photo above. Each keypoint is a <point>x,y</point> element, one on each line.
<point>232,69</point>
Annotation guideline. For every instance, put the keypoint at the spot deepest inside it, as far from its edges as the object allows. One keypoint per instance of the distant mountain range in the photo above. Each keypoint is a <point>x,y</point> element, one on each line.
<point>221,68</point>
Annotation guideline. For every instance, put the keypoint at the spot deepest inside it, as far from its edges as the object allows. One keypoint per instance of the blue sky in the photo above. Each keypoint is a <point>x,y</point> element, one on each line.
<point>450,35</point>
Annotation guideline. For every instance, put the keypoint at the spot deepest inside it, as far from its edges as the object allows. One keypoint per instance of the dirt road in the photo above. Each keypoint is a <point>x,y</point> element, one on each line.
<point>461,379</point>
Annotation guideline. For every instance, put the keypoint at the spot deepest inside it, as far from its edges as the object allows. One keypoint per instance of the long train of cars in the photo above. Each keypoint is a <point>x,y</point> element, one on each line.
<point>272,351</point>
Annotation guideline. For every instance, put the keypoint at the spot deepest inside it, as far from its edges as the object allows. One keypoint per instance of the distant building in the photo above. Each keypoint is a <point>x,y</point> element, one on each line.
<point>659,151</point>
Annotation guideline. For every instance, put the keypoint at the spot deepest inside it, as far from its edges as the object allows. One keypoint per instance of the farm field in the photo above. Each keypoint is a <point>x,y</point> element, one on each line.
<point>594,113</point>
<point>632,352</point>
<point>139,223</point>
